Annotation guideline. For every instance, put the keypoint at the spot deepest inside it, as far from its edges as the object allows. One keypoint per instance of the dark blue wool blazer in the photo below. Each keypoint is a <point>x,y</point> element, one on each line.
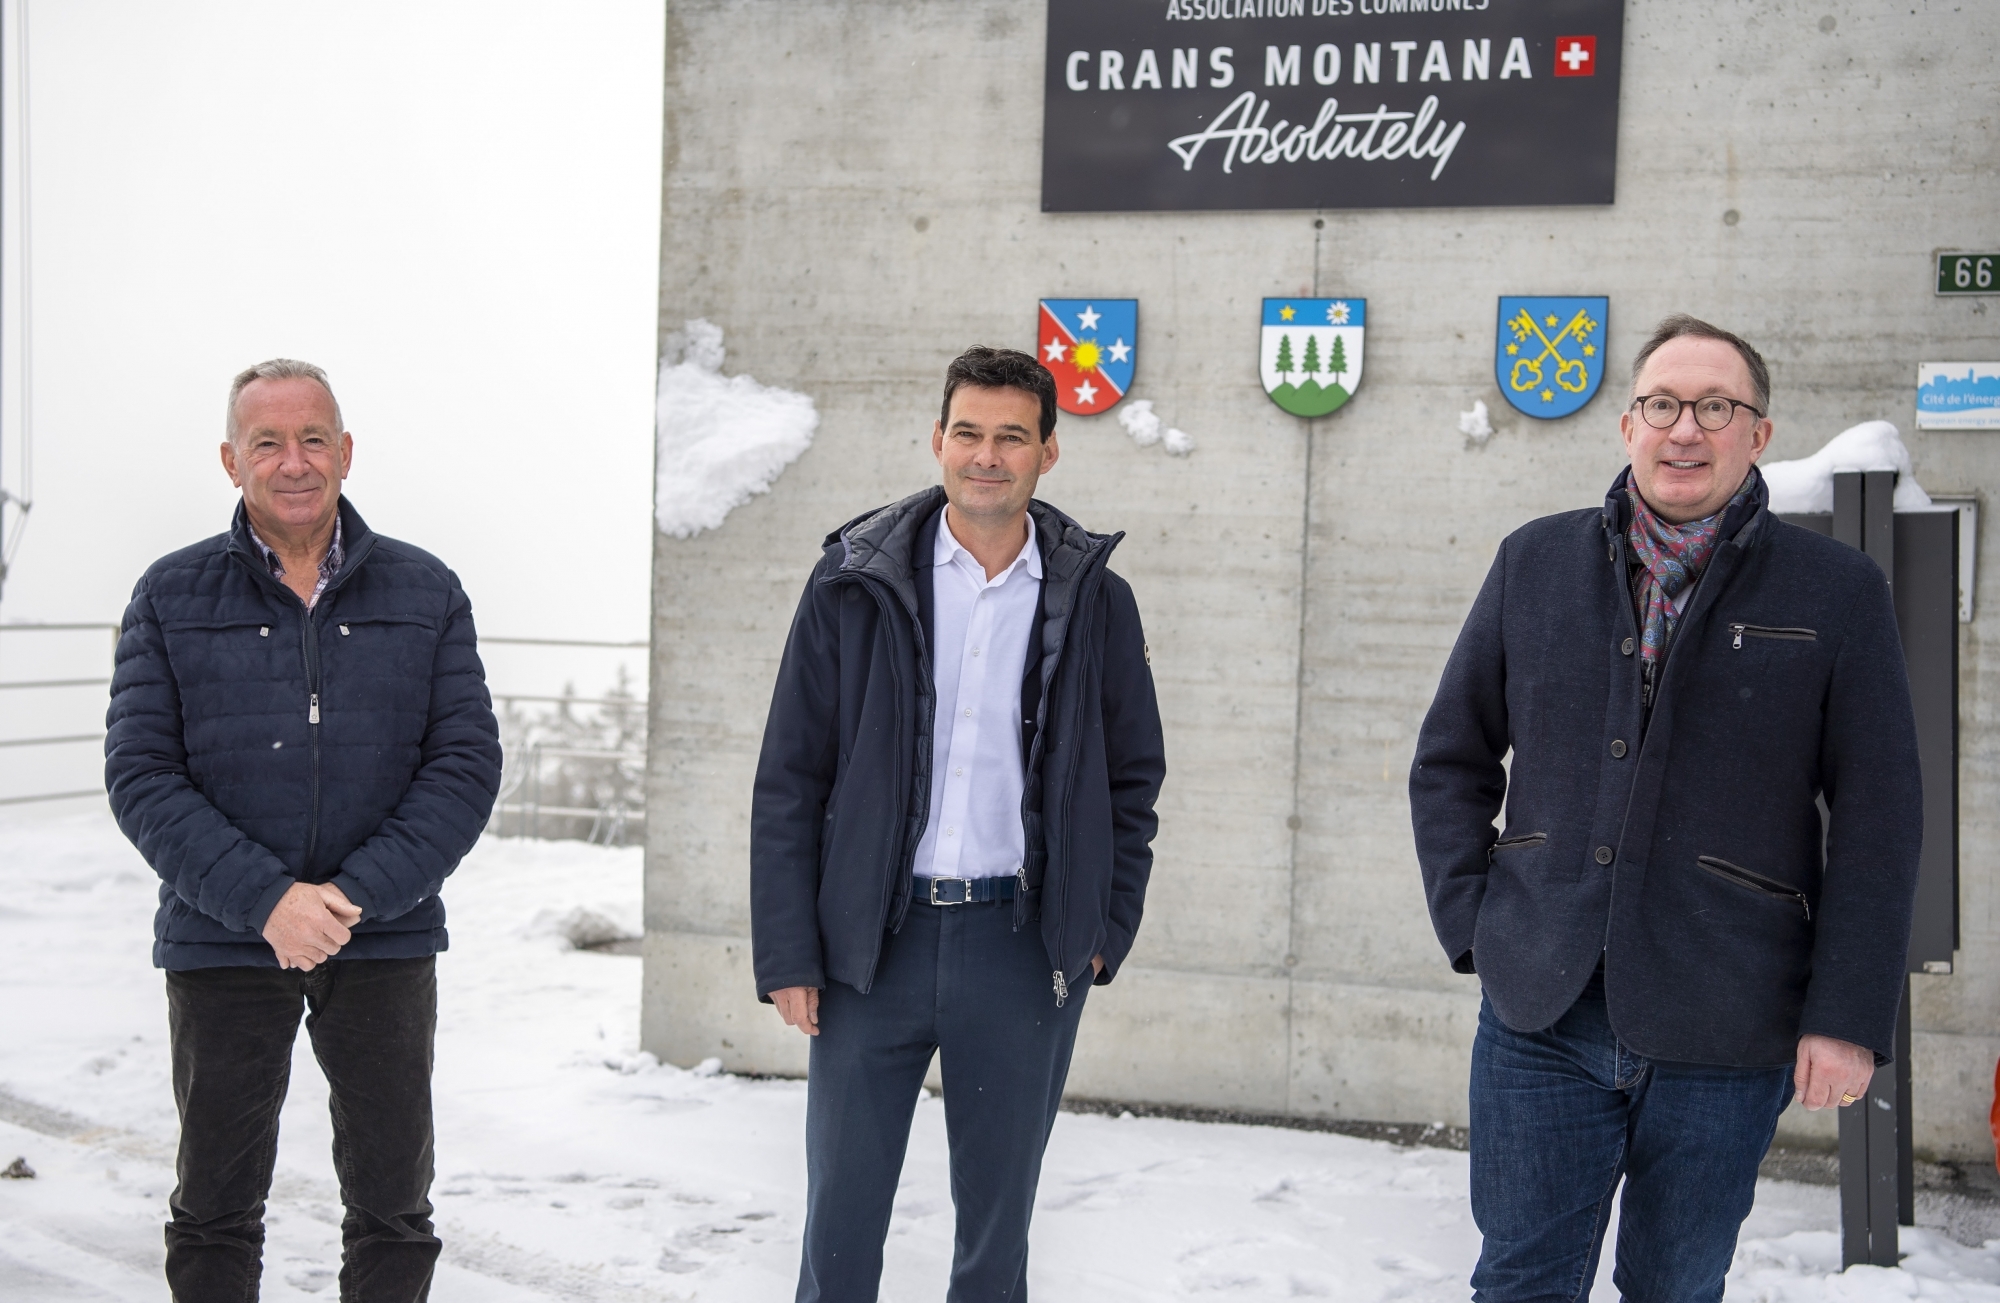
<point>253,744</point>
<point>1684,851</point>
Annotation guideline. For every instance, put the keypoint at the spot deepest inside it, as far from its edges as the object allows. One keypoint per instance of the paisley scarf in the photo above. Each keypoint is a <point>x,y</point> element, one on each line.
<point>1674,557</point>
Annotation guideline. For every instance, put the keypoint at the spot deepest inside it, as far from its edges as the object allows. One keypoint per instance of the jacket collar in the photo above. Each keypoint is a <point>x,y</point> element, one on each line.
<point>1737,523</point>
<point>356,540</point>
<point>883,544</point>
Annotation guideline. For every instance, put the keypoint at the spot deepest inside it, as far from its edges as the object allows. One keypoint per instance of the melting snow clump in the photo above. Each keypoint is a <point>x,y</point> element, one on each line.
<point>1139,422</point>
<point>720,438</point>
<point>1145,427</point>
<point>1474,424</point>
<point>1806,485</point>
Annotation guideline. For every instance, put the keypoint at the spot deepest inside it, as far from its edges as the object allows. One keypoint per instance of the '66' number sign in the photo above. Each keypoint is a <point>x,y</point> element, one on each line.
<point>1968,273</point>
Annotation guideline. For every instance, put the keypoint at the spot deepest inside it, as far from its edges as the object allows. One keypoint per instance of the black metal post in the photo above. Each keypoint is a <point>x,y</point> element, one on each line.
<point>1906,1158</point>
<point>1871,1195</point>
<point>1918,552</point>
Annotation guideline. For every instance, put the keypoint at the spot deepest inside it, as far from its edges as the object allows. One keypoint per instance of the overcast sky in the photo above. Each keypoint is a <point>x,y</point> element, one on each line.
<point>451,206</point>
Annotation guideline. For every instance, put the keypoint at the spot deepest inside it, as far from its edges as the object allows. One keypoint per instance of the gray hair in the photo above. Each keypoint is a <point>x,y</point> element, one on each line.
<point>279,368</point>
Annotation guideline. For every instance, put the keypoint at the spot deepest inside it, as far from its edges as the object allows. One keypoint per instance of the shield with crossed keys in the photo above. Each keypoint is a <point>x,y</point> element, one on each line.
<point>1549,356</point>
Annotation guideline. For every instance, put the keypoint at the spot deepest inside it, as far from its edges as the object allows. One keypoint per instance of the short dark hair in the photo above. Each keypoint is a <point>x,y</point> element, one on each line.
<point>1681,325</point>
<point>1001,368</point>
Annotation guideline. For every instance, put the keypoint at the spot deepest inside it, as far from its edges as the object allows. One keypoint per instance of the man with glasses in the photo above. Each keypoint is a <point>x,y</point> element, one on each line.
<point>1670,942</point>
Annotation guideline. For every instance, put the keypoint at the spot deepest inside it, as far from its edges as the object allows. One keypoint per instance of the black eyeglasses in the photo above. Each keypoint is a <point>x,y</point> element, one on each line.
<point>1663,411</point>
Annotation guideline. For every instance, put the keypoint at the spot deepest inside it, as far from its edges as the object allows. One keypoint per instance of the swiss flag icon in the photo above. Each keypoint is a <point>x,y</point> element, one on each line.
<point>1576,56</point>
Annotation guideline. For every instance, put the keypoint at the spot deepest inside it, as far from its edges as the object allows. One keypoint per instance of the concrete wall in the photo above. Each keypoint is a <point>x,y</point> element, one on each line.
<point>852,194</point>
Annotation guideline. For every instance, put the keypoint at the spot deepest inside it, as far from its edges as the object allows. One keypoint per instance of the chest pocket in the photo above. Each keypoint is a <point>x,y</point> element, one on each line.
<point>231,653</point>
<point>380,650</point>
<point>1760,633</point>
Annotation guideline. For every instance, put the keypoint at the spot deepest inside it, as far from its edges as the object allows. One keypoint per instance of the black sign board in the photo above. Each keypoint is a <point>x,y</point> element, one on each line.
<point>1185,104</point>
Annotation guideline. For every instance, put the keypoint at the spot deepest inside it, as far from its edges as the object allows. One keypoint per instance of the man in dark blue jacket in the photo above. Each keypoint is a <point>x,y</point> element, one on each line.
<point>1668,944</point>
<point>301,745</point>
<point>952,829</point>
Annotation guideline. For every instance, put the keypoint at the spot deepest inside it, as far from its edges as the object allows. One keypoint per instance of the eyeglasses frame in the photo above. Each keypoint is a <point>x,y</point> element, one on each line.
<point>1685,403</point>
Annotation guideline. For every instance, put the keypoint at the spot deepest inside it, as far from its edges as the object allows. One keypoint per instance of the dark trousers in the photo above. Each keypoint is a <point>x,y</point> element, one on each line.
<point>961,981</point>
<point>372,1023</point>
<point>1559,1115</point>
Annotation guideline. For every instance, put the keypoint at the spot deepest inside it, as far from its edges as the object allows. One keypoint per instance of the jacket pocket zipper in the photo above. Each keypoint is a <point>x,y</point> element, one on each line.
<point>1737,632</point>
<point>1757,882</point>
<point>1512,843</point>
<point>1076,646</point>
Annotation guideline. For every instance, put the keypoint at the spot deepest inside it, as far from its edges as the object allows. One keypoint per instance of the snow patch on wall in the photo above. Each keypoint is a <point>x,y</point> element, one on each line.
<point>720,438</point>
<point>1475,424</point>
<point>1147,429</point>
<point>1806,485</point>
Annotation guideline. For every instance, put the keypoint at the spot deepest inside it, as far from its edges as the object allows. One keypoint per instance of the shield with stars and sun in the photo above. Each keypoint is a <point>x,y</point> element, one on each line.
<point>1090,346</point>
<point>1310,361</point>
<point>1549,357</point>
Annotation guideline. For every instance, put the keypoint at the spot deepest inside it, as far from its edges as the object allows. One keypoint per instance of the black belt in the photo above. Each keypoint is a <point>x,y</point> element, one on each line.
<point>963,891</point>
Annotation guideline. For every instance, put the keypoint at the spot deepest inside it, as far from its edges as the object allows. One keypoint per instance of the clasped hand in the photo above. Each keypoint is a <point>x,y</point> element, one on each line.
<point>312,921</point>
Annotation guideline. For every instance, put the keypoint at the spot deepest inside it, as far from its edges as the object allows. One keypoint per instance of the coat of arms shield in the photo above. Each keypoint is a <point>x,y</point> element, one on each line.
<point>1549,356</point>
<point>1090,345</point>
<point>1310,359</point>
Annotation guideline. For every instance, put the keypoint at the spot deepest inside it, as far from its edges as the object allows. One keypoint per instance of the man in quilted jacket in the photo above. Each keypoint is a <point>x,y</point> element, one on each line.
<point>301,745</point>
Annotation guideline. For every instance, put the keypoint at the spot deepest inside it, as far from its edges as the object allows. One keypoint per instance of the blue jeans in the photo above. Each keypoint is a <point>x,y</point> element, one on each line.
<point>1558,1116</point>
<point>962,981</point>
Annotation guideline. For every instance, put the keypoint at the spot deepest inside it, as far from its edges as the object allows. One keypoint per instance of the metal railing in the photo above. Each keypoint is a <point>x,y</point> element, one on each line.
<point>609,821</point>
<point>63,739</point>
<point>523,790</point>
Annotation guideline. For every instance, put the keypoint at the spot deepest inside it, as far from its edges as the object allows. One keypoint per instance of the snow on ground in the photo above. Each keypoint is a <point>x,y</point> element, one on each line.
<point>573,1167</point>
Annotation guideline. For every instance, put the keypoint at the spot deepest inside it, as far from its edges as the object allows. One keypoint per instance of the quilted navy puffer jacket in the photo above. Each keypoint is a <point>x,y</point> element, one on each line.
<point>253,744</point>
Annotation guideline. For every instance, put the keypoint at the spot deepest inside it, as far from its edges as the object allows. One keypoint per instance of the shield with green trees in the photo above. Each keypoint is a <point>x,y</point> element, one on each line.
<point>1311,356</point>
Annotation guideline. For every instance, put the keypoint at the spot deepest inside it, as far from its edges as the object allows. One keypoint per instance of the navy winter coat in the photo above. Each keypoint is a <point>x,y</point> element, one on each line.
<point>253,744</point>
<point>844,781</point>
<point>1686,851</point>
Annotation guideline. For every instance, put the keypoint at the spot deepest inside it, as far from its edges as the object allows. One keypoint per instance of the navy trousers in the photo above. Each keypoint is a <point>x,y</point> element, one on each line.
<point>961,981</point>
<point>1558,1116</point>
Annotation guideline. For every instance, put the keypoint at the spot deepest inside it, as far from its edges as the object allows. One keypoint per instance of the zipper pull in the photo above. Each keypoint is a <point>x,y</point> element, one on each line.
<point>312,711</point>
<point>1737,641</point>
<point>1062,989</point>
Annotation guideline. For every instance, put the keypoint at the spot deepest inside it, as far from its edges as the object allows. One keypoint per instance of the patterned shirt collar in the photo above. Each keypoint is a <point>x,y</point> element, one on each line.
<point>329,565</point>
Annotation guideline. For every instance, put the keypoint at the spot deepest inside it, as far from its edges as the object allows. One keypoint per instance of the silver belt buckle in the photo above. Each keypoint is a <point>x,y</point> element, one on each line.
<point>964,892</point>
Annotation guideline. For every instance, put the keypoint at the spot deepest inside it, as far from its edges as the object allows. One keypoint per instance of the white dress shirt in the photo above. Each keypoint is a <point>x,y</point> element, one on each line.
<point>979,652</point>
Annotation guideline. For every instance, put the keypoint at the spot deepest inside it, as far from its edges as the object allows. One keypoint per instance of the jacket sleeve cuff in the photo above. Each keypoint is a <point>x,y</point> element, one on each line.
<point>817,981</point>
<point>351,888</point>
<point>260,914</point>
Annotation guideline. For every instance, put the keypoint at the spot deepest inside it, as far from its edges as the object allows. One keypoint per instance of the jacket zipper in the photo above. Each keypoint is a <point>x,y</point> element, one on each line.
<point>311,645</point>
<point>1508,844</point>
<point>1757,882</point>
<point>892,608</point>
<point>1078,610</point>
<point>1737,633</point>
<point>358,552</point>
